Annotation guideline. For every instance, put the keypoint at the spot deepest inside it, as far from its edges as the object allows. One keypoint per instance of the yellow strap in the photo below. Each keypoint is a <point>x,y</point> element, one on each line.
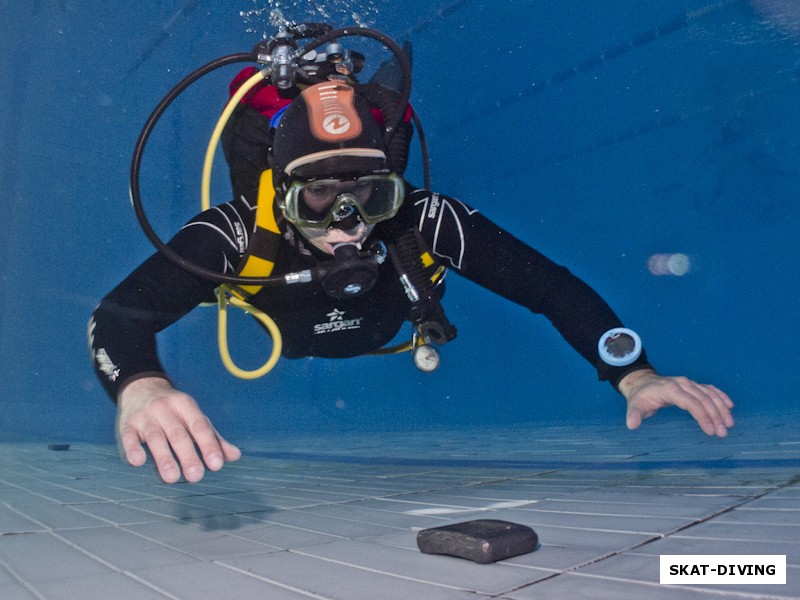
<point>265,213</point>
<point>257,266</point>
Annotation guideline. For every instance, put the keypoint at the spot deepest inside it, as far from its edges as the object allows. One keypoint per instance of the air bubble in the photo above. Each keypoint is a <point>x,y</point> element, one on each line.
<point>676,264</point>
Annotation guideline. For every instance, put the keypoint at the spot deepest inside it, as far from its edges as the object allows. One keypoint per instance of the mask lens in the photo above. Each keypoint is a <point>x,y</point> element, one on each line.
<point>316,199</point>
<point>319,203</point>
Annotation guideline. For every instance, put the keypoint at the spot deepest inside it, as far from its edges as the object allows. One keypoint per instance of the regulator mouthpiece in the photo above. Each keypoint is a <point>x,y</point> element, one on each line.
<point>353,272</point>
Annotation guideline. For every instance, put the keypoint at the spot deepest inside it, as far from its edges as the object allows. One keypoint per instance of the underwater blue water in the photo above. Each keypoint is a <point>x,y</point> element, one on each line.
<point>603,133</point>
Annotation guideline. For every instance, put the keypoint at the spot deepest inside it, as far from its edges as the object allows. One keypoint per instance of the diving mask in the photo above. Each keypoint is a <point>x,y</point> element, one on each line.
<point>320,203</point>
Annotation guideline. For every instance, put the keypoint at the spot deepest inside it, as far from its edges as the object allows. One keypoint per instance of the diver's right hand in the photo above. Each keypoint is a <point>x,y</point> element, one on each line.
<point>150,411</point>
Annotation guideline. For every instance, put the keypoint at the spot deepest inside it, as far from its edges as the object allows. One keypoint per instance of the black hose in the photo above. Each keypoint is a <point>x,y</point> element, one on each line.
<point>136,198</point>
<point>423,145</point>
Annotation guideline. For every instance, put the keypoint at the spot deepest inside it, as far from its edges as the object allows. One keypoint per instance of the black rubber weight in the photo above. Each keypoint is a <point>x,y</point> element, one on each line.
<point>483,541</point>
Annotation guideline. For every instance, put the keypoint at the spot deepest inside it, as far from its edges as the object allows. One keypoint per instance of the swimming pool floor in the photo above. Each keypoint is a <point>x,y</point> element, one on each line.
<point>335,516</point>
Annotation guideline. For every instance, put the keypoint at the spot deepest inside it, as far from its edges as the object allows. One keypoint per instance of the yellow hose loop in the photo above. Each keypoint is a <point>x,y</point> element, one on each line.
<point>277,341</point>
<point>205,184</point>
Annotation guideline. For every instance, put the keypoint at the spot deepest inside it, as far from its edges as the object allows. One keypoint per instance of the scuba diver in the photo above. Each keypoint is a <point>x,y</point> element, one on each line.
<point>340,251</point>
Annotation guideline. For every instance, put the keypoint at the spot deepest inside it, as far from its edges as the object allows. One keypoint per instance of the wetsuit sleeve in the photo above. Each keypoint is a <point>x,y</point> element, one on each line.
<point>122,330</point>
<point>473,246</point>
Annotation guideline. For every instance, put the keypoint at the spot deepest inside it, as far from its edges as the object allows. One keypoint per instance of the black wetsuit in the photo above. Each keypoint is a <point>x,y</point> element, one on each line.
<point>123,328</point>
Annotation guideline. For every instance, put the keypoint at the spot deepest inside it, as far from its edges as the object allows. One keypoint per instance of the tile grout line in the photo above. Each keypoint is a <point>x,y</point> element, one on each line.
<point>386,573</point>
<point>272,582</point>
<point>14,575</point>
<point>729,508</point>
<point>150,585</point>
<point>44,496</point>
<point>186,552</point>
<point>115,568</point>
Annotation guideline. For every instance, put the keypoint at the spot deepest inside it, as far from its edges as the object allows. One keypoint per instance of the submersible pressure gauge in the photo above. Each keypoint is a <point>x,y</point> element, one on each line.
<point>426,358</point>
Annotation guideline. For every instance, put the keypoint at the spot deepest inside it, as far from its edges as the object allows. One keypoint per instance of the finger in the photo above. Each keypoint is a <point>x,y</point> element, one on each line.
<point>170,421</point>
<point>132,446</point>
<point>724,404</point>
<point>183,446</point>
<point>702,407</point>
<point>716,409</point>
<point>208,441</point>
<point>229,451</point>
<point>703,418</point>
<point>162,455</point>
<point>633,419</point>
<point>725,398</point>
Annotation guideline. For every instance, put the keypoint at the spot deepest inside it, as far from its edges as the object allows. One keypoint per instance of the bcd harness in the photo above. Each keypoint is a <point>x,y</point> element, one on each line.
<point>420,274</point>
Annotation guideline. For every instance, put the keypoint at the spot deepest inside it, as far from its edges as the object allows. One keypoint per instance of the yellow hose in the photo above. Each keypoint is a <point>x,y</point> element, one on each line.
<point>222,302</point>
<point>205,184</point>
<point>222,298</point>
<point>398,349</point>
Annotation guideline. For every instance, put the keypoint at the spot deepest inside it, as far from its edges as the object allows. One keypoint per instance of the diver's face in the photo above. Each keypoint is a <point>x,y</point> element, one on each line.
<point>334,201</point>
<point>341,201</point>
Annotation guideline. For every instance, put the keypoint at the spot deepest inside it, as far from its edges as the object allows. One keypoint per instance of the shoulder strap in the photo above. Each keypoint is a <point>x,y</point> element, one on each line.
<point>259,260</point>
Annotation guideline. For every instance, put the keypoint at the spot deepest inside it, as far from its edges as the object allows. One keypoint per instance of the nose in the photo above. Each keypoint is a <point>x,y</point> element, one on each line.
<point>345,211</point>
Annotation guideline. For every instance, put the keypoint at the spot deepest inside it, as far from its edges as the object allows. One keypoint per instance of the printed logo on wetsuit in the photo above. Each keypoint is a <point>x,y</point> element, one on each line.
<point>337,322</point>
<point>106,365</point>
<point>433,207</point>
<point>239,237</point>
<point>101,357</point>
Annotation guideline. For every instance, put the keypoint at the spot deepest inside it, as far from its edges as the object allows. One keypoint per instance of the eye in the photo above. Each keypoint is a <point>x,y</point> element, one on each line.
<point>319,195</point>
<point>320,189</point>
<point>362,190</point>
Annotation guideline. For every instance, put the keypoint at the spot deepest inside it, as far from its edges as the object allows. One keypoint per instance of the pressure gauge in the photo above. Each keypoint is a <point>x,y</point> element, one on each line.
<point>426,358</point>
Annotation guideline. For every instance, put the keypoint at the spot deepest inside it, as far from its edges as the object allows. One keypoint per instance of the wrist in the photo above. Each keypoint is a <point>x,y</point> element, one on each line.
<point>146,383</point>
<point>630,381</point>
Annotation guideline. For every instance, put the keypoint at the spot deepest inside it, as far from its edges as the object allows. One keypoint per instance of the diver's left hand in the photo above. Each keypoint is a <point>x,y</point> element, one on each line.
<point>647,392</point>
